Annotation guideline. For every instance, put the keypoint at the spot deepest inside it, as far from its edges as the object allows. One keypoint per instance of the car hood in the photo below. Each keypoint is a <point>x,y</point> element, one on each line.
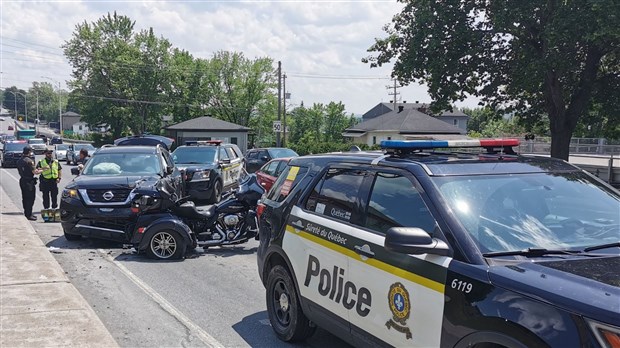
<point>587,286</point>
<point>108,182</point>
<point>189,168</point>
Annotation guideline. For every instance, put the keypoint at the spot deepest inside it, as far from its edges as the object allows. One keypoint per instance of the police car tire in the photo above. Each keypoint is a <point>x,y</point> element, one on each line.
<point>290,325</point>
<point>216,195</point>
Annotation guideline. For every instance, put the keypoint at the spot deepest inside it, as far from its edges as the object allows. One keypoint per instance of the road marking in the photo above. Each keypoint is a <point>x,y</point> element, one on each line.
<point>16,179</point>
<point>167,306</point>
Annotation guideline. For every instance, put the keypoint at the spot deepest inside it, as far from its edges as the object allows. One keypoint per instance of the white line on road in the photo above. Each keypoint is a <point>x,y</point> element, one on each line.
<point>16,179</point>
<point>167,306</point>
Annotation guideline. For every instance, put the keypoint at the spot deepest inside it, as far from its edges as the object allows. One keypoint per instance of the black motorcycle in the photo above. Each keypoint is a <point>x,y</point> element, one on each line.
<point>167,227</point>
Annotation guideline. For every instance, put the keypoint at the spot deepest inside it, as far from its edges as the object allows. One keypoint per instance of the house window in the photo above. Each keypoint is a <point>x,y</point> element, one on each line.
<point>374,140</point>
<point>389,138</point>
<point>455,122</point>
<point>233,140</point>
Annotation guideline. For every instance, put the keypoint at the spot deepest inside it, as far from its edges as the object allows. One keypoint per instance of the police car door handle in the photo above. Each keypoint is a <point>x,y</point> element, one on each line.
<point>365,251</point>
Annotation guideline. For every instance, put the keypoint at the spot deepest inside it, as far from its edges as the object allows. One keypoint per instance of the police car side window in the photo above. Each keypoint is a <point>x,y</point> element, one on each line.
<point>231,153</point>
<point>286,183</point>
<point>223,154</point>
<point>395,202</point>
<point>336,195</point>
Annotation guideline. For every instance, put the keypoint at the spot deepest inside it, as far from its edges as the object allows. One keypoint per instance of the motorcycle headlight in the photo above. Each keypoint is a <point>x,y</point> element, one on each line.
<point>606,335</point>
<point>201,175</point>
<point>69,193</point>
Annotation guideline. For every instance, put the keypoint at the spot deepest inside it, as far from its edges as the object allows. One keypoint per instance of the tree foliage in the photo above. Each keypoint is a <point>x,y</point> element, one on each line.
<point>557,58</point>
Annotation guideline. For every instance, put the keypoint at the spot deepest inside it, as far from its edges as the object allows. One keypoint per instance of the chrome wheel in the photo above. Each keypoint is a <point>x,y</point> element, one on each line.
<point>164,245</point>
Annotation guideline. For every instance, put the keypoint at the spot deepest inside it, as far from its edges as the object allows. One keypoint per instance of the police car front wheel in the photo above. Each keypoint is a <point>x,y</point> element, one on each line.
<point>285,314</point>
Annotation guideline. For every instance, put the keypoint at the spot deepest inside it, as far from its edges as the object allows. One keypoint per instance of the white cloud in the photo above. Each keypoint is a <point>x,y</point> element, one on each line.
<point>314,40</point>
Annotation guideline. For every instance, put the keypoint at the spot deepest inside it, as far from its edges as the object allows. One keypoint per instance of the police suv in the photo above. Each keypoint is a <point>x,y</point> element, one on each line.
<point>442,244</point>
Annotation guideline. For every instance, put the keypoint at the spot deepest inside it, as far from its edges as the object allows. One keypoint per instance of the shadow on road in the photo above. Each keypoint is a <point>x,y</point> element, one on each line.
<point>256,330</point>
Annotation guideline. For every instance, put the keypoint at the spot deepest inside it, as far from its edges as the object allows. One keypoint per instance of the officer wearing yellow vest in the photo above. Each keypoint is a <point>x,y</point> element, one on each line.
<point>50,177</point>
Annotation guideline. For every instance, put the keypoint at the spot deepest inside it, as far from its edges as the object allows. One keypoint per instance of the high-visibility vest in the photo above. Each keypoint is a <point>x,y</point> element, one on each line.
<point>52,170</point>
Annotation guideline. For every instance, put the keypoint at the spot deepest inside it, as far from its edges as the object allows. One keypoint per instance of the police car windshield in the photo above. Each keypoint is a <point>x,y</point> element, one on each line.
<point>14,146</point>
<point>540,210</point>
<point>110,164</point>
<point>194,154</point>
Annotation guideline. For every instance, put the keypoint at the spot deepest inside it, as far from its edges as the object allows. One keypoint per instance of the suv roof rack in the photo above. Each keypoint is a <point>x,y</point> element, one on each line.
<point>403,147</point>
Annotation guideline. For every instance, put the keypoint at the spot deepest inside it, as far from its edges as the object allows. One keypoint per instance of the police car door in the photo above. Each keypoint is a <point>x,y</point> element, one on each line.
<point>320,255</point>
<point>407,290</point>
<point>226,165</point>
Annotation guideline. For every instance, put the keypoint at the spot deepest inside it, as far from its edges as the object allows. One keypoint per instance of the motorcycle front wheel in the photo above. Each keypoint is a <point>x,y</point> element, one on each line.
<point>166,245</point>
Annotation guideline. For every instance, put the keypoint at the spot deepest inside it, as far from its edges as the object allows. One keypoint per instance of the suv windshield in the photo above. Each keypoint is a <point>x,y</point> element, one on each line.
<point>502,213</point>
<point>14,146</point>
<point>279,153</point>
<point>123,164</point>
<point>36,141</point>
<point>194,155</point>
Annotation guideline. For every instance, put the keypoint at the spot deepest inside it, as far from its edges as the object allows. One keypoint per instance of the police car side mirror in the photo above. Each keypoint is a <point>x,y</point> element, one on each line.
<point>225,161</point>
<point>75,171</point>
<point>413,240</point>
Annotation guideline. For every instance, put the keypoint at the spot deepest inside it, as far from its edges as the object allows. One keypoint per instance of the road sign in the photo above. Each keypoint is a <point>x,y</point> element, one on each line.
<point>277,126</point>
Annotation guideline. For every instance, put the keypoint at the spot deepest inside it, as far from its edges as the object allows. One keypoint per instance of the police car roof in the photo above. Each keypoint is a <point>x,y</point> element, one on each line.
<point>437,159</point>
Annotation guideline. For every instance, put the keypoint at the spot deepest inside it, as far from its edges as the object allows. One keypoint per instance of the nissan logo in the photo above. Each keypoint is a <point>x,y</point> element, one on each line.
<point>108,195</point>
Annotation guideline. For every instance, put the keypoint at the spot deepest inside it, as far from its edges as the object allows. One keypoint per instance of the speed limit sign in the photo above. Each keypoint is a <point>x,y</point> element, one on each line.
<point>277,126</point>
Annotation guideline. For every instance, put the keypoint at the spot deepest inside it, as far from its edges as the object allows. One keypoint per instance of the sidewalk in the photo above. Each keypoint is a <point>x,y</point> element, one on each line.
<point>39,307</point>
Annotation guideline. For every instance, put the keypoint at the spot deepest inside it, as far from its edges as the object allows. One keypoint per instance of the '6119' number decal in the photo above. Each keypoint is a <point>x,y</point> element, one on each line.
<point>461,286</point>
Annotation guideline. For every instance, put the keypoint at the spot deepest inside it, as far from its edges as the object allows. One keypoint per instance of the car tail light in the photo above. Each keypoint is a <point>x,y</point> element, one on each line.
<point>141,229</point>
<point>260,208</point>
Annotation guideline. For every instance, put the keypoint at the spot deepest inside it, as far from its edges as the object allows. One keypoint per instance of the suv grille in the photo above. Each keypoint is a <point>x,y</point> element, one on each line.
<point>104,196</point>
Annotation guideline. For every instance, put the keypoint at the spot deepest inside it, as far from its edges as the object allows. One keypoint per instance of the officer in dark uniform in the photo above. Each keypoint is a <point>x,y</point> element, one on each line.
<point>27,181</point>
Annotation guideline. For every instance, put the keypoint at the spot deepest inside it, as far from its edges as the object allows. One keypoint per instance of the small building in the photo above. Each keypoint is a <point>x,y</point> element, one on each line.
<point>407,122</point>
<point>80,128</point>
<point>209,128</point>
<point>456,118</point>
<point>70,118</point>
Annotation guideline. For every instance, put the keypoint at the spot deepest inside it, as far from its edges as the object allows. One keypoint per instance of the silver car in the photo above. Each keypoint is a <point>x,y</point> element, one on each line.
<point>38,145</point>
<point>60,151</point>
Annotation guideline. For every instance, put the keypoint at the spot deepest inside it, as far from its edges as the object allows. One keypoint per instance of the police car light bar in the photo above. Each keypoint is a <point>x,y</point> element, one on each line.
<point>438,144</point>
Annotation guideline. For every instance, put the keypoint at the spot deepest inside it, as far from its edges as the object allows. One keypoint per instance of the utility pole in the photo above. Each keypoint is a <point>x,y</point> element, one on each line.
<point>284,107</point>
<point>279,99</point>
<point>394,93</point>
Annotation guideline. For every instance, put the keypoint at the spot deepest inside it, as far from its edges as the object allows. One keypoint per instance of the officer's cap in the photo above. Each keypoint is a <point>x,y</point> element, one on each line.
<point>27,149</point>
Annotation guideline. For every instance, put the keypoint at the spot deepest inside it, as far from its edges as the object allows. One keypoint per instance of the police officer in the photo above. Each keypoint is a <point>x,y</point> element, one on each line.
<point>51,173</point>
<point>27,181</point>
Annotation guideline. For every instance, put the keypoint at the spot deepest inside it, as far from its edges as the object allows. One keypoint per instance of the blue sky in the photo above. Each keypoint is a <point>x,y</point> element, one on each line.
<point>320,43</point>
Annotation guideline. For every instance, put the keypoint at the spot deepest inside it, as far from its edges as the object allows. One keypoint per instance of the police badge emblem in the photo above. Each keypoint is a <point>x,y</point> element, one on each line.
<point>398,299</point>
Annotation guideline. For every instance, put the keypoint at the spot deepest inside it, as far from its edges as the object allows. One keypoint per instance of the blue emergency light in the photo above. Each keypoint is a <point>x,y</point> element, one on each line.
<point>439,144</point>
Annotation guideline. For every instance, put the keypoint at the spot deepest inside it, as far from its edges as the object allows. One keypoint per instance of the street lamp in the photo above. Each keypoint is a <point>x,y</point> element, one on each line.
<point>59,103</point>
<point>25,104</point>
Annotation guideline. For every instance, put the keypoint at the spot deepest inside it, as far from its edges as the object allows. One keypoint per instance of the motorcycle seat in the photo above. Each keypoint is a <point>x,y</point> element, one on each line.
<point>189,210</point>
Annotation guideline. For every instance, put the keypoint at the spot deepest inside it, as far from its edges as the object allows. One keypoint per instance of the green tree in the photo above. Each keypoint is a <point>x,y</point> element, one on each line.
<point>237,85</point>
<point>336,121</point>
<point>554,58</point>
<point>13,97</point>
<point>480,117</point>
<point>119,76</point>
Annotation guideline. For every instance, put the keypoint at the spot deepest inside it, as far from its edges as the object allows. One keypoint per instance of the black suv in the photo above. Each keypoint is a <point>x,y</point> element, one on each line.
<point>257,157</point>
<point>427,245</point>
<point>12,152</point>
<point>208,168</point>
<point>97,203</point>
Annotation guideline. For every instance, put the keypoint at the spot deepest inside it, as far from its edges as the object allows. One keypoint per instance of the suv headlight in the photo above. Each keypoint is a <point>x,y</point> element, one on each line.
<point>606,335</point>
<point>69,193</point>
<point>201,175</point>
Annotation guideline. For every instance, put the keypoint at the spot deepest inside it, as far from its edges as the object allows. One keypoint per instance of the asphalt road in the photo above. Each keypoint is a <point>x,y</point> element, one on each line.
<point>212,298</point>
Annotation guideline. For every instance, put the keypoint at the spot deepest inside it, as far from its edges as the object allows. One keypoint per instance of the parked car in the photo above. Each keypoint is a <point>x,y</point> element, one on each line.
<point>12,152</point>
<point>60,151</point>
<point>426,245</point>
<point>257,157</point>
<point>38,145</point>
<point>268,174</point>
<point>209,168</point>
<point>97,202</point>
<point>56,140</point>
<point>73,151</point>
<point>7,137</point>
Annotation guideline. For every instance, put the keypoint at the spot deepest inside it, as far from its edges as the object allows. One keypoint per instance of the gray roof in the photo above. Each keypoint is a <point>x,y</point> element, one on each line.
<point>409,121</point>
<point>207,123</point>
<point>383,108</point>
